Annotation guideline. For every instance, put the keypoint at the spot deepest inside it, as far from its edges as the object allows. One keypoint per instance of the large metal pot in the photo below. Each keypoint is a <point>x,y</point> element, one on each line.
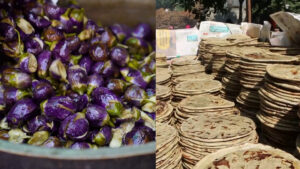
<point>21,156</point>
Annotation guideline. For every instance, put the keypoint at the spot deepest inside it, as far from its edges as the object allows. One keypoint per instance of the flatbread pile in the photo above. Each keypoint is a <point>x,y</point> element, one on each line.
<point>231,80</point>
<point>188,69</point>
<point>285,51</point>
<point>195,76</point>
<point>163,76</point>
<point>197,105</point>
<point>279,104</point>
<point>161,61</point>
<point>208,133</point>
<point>252,156</point>
<point>216,66</point>
<point>168,152</point>
<point>195,87</point>
<point>163,93</point>
<point>253,69</point>
<point>164,112</point>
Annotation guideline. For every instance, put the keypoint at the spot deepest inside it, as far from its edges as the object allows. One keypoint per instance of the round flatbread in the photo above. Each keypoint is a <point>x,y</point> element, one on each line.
<point>249,156</point>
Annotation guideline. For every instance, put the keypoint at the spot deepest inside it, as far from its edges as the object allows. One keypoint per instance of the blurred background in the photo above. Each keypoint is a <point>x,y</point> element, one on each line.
<point>179,13</point>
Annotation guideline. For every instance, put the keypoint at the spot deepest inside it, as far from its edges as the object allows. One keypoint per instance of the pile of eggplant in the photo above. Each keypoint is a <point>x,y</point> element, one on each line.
<point>69,82</point>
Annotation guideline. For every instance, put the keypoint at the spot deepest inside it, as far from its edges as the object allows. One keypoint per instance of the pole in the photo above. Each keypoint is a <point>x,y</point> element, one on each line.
<point>249,9</point>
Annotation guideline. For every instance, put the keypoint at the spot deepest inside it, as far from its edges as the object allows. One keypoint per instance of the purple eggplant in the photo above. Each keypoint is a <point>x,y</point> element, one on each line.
<point>16,78</point>
<point>38,21</point>
<point>58,107</point>
<point>94,81</point>
<point>81,101</point>
<point>109,69</point>
<point>34,45</point>
<point>28,63</point>
<point>52,142</point>
<point>90,24</point>
<point>97,67</point>
<point>44,61</point>
<point>104,97</point>
<point>119,56</point>
<point>83,48</point>
<point>7,32</point>
<point>64,23</point>
<point>73,43</point>
<point>139,135</point>
<point>21,112</point>
<point>81,145</point>
<point>143,31</point>
<point>12,95</point>
<point>13,49</point>
<point>96,40</point>
<point>39,123</point>
<point>121,31</point>
<point>74,127</point>
<point>99,52</point>
<point>62,51</point>
<point>76,18</point>
<point>25,27</point>
<point>118,86</point>
<point>86,63</point>
<point>135,95</point>
<point>136,77</point>
<point>42,90</point>
<point>97,116</point>
<point>77,78</point>
<point>108,38</point>
<point>52,34</point>
<point>53,11</point>
<point>58,70</point>
<point>101,137</point>
<point>138,47</point>
<point>39,138</point>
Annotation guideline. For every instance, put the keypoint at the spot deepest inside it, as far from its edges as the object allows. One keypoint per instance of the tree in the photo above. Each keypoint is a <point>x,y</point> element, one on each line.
<point>202,7</point>
<point>261,9</point>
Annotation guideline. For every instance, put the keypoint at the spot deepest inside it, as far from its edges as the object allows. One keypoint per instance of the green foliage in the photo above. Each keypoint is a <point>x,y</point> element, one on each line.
<point>261,9</point>
<point>202,10</point>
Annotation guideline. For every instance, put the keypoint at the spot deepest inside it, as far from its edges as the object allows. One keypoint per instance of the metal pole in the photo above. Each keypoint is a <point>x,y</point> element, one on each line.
<point>249,11</point>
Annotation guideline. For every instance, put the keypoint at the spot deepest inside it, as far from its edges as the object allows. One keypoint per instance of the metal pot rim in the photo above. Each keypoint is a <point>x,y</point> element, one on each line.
<point>69,154</point>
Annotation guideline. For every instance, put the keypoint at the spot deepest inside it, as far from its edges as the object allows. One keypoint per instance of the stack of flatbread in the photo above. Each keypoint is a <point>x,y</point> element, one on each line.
<point>163,77</point>
<point>161,61</point>
<point>216,66</point>
<point>196,76</point>
<point>168,152</point>
<point>253,69</point>
<point>197,105</point>
<point>195,87</point>
<point>231,80</point>
<point>256,156</point>
<point>163,93</point>
<point>164,112</point>
<point>285,51</point>
<point>279,105</point>
<point>208,133</point>
<point>186,65</point>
